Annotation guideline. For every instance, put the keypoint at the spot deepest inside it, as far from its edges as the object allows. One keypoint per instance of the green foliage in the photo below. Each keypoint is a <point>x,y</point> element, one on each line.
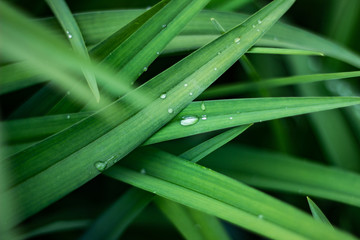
<point>83,96</point>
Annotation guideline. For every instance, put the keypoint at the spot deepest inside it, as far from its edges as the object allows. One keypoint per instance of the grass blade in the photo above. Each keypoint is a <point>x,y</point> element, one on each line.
<point>116,218</point>
<point>317,213</point>
<point>238,88</point>
<point>68,23</point>
<point>279,172</point>
<point>236,203</point>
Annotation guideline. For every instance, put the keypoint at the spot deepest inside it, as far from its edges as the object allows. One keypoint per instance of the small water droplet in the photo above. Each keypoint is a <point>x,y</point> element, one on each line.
<point>189,120</point>
<point>68,92</point>
<point>254,26</point>
<point>215,69</point>
<point>170,110</point>
<point>260,216</point>
<point>237,40</point>
<point>163,96</point>
<point>230,118</point>
<point>219,53</point>
<point>158,53</point>
<point>259,21</point>
<point>203,117</point>
<point>164,26</point>
<point>145,69</point>
<point>154,192</point>
<point>143,171</point>
<point>258,30</point>
<point>203,107</point>
<point>190,93</point>
<point>69,34</point>
<point>148,7</point>
<point>185,85</point>
<point>68,116</point>
<point>100,166</point>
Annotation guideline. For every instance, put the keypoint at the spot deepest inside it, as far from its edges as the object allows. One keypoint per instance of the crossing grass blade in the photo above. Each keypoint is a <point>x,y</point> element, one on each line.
<point>72,31</point>
<point>238,88</point>
<point>209,116</point>
<point>100,145</point>
<point>279,172</point>
<point>317,213</point>
<point>138,199</point>
<point>236,203</point>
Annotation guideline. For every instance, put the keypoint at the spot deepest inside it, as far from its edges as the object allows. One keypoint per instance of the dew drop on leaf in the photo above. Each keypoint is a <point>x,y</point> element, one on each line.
<point>189,120</point>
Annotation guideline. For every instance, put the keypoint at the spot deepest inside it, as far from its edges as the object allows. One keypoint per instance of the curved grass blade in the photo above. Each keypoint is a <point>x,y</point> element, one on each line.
<point>68,23</point>
<point>317,213</point>
<point>75,166</point>
<point>283,51</point>
<point>238,88</point>
<point>116,218</point>
<point>201,188</point>
<point>279,172</point>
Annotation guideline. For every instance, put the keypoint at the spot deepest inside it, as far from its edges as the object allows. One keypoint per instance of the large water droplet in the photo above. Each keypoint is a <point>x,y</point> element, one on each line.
<point>189,120</point>
<point>237,40</point>
<point>100,166</point>
<point>203,107</point>
<point>163,96</point>
<point>170,110</point>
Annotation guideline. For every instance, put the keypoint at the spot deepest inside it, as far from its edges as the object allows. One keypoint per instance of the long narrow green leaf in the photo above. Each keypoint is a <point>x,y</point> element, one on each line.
<point>317,213</point>
<point>238,88</point>
<point>203,189</point>
<point>120,217</point>
<point>284,51</point>
<point>114,220</point>
<point>275,171</point>
<point>68,23</point>
<point>185,81</point>
<point>229,113</point>
<point>207,116</point>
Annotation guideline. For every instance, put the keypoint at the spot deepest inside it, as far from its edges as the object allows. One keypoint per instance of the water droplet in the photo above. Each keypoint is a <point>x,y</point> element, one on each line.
<point>254,26</point>
<point>100,166</point>
<point>259,21</point>
<point>215,69</point>
<point>190,93</point>
<point>170,110</point>
<point>148,7</point>
<point>158,53</point>
<point>164,26</point>
<point>68,92</point>
<point>163,96</point>
<point>219,53</point>
<point>143,171</point>
<point>185,85</point>
<point>203,106</point>
<point>237,40</point>
<point>189,120</point>
<point>258,30</point>
<point>154,192</point>
<point>68,116</point>
<point>69,34</point>
<point>260,216</point>
<point>230,118</point>
<point>145,69</point>
<point>203,117</point>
